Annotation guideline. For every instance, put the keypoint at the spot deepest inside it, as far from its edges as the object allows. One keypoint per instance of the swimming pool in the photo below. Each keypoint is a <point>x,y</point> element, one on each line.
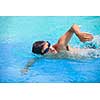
<point>16,37</point>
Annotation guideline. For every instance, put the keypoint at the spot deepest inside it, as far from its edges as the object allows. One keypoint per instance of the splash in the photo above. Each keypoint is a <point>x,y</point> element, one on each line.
<point>95,43</point>
<point>90,50</point>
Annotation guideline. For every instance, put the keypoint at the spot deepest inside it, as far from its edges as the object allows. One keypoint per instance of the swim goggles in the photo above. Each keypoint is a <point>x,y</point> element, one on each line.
<point>47,49</point>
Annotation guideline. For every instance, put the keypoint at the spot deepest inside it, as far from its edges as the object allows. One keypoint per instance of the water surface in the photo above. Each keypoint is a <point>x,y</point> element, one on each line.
<point>17,35</point>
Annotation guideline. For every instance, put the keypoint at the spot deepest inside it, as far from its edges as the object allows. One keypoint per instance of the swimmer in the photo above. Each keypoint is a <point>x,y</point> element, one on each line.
<point>45,48</point>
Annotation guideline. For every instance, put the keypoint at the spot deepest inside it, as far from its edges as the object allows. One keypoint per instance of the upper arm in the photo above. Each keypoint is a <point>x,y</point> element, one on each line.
<point>63,40</point>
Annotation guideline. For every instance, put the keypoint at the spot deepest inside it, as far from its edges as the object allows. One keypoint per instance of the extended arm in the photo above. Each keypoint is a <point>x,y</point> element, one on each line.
<point>83,36</point>
<point>28,65</point>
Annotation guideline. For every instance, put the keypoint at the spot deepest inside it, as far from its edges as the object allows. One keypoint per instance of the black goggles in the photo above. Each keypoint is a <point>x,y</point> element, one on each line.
<point>47,49</point>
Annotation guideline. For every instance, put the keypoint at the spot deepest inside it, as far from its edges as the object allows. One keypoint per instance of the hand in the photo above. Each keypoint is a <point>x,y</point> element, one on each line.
<point>24,70</point>
<point>83,36</point>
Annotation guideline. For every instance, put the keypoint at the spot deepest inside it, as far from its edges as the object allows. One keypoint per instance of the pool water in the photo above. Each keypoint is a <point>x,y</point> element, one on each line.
<point>17,35</point>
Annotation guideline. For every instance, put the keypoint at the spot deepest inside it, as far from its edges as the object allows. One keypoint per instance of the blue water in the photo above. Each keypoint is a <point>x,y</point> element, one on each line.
<point>16,37</point>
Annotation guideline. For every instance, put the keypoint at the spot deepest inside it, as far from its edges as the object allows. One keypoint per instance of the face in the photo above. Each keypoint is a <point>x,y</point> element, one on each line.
<point>49,49</point>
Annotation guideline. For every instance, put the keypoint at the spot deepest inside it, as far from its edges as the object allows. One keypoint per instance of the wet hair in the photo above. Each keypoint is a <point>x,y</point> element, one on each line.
<point>37,47</point>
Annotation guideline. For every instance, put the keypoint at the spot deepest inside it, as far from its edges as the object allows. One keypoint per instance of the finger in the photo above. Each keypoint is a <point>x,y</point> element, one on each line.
<point>88,39</point>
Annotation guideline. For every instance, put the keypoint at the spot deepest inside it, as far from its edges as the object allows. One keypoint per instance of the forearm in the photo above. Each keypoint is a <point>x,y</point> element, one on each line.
<point>83,36</point>
<point>27,66</point>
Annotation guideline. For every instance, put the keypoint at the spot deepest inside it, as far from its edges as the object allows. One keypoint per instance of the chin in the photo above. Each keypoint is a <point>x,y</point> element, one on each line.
<point>54,51</point>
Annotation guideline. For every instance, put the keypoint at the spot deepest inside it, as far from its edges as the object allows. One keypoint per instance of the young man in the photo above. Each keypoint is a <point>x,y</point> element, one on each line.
<point>44,47</point>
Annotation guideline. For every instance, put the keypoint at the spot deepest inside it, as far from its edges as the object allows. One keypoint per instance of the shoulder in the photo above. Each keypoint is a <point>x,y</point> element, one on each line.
<point>56,46</point>
<point>59,47</point>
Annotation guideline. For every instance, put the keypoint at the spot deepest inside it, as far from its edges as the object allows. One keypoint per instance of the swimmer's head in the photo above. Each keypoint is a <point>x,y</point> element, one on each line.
<point>43,47</point>
<point>40,47</point>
